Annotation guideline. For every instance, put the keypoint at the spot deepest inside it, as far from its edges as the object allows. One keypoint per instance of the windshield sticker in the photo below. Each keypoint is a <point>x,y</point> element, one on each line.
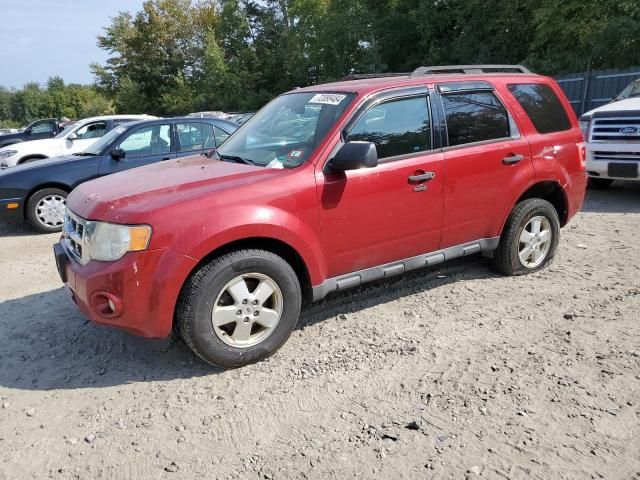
<point>275,163</point>
<point>294,154</point>
<point>327,98</point>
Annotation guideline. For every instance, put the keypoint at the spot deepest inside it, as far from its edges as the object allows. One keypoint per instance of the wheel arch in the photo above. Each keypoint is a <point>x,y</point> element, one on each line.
<point>552,192</point>
<point>37,156</point>
<point>270,244</point>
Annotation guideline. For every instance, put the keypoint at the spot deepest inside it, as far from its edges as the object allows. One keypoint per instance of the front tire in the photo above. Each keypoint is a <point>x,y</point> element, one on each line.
<point>530,238</point>
<point>239,308</point>
<point>45,210</point>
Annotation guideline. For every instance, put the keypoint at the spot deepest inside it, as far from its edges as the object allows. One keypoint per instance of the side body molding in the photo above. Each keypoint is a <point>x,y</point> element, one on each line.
<point>355,279</point>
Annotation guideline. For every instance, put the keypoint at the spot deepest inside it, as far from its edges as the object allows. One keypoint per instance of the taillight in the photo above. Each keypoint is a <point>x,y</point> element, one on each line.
<point>582,154</point>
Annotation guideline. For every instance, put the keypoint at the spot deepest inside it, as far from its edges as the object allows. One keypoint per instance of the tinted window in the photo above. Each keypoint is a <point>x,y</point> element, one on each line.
<point>474,117</point>
<point>92,130</point>
<point>542,106</point>
<point>221,135</point>
<point>147,141</point>
<point>397,127</point>
<point>195,137</point>
<point>42,128</point>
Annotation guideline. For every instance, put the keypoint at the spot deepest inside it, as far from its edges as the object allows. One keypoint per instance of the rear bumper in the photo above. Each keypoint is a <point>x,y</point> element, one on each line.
<point>9,213</point>
<point>601,155</point>
<point>142,286</point>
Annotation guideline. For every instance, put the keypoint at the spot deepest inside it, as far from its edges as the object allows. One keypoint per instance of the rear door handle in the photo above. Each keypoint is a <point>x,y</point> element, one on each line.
<point>512,159</point>
<point>423,177</point>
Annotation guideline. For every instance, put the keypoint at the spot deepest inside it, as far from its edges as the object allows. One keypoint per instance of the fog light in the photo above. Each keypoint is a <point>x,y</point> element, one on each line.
<point>106,304</point>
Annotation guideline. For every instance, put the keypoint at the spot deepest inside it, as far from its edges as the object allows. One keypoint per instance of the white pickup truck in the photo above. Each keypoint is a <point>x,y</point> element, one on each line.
<point>74,138</point>
<point>612,135</point>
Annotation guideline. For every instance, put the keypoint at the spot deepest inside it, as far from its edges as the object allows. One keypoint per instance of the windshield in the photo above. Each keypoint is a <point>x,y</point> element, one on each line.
<point>285,132</point>
<point>66,130</point>
<point>632,90</point>
<point>104,141</point>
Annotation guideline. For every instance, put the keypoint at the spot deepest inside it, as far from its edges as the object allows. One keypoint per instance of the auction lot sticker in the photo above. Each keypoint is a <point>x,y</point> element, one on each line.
<point>327,98</point>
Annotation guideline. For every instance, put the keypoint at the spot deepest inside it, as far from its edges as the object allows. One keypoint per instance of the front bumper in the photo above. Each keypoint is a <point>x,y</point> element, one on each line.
<point>613,160</point>
<point>143,288</point>
<point>11,210</point>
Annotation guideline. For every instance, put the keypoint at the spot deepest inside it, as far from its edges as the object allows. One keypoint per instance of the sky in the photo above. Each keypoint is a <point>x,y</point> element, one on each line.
<point>42,38</point>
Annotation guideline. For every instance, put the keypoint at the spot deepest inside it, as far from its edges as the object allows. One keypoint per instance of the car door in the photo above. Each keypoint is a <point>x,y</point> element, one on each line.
<point>143,145</point>
<point>486,158</point>
<point>373,216</point>
<point>84,136</point>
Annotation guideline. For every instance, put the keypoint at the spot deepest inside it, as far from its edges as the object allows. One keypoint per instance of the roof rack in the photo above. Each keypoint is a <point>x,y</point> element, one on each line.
<point>469,69</point>
<point>364,76</point>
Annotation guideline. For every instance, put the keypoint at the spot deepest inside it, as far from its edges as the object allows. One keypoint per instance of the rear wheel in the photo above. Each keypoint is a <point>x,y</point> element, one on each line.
<point>600,183</point>
<point>240,308</point>
<point>45,210</point>
<point>530,238</point>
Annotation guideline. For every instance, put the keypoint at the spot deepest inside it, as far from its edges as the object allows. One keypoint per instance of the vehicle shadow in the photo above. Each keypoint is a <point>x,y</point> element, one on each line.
<point>17,230</point>
<point>620,197</point>
<point>45,344</point>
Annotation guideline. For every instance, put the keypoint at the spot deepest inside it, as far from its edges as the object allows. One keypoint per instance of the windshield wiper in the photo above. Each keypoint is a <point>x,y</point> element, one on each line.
<point>84,154</point>
<point>213,153</point>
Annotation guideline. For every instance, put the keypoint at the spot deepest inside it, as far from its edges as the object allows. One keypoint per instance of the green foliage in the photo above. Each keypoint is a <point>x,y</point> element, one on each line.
<point>55,100</point>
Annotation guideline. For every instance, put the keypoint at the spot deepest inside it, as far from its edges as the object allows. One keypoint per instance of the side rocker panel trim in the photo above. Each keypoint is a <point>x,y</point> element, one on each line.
<point>354,279</point>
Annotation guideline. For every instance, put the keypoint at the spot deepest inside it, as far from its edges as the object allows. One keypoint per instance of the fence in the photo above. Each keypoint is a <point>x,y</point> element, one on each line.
<point>588,90</point>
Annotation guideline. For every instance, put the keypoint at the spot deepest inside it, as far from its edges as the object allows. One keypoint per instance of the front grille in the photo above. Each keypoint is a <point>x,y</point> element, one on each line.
<point>629,156</point>
<point>73,233</point>
<point>621,129</point>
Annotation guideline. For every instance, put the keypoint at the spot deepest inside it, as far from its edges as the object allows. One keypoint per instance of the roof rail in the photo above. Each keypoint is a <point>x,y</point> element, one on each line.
<point>470,69</point>
<point>364,76</point>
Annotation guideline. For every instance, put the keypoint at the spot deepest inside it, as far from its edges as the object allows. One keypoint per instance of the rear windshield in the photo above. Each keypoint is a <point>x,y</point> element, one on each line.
<point>542,105</point>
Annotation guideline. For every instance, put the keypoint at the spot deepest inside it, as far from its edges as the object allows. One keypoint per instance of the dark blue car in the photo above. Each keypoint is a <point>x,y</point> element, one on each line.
<point>37,191</point>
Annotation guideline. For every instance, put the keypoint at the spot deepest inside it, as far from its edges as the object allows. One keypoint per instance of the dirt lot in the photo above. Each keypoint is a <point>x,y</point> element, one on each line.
<point>449,373</point>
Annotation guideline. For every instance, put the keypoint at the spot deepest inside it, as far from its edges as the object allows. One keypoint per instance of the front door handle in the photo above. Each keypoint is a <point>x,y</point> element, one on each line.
<point>512,159</point>
<point>422,177</point>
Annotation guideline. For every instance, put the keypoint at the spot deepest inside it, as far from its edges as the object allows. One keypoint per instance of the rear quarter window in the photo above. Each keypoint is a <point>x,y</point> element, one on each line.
<point>542,106</point>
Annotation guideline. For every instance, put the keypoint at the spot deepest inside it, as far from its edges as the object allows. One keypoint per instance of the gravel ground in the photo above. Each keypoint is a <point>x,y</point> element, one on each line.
<point>448,373</point>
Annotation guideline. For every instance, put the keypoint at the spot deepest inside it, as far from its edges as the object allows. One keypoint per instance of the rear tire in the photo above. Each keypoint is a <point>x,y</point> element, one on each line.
<point>530,238</point>
<point>599,183</point>
<point>45,210</point>
<point>239,308</point>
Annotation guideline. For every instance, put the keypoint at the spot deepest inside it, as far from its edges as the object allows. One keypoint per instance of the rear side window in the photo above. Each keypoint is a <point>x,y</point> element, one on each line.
<point>397,127</point>
<point>542,105</point>
<point>474,117</point>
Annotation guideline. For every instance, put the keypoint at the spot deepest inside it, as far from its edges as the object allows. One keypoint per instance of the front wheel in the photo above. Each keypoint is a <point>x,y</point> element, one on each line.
<point>239,308</point>
<point>45,210</point>
<point>530,238</point>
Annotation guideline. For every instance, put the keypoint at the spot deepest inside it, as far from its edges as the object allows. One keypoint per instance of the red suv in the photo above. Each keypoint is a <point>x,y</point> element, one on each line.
<point>327,187</point>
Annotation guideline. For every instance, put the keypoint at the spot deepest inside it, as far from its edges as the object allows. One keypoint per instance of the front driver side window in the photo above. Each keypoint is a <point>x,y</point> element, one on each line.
<point>45,127</point>
<point>92,130</point>
<point>397,127</point>
<point>147,141</point>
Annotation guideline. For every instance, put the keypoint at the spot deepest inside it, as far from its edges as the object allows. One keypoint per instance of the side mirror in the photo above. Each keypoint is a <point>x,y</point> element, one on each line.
<point>354,155</point>
<point>117,154</point>
<point>72,137</point>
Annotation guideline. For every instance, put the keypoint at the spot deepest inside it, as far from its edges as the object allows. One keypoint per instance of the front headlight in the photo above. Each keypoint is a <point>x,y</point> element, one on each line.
<point>108,242</point>
<point>7,153</point>
<point>584,128</point>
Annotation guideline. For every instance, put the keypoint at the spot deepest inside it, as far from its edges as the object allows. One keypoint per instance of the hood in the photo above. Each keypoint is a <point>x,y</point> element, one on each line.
<point>11,136</point>
<point>45,162</point>
<point>36,146</point>
<point>626,105</point>
<point>124,196</point>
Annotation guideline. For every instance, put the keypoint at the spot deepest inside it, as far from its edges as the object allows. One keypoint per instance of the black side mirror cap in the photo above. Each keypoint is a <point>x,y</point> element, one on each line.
<point>353,156</point>
<point>117,154</point>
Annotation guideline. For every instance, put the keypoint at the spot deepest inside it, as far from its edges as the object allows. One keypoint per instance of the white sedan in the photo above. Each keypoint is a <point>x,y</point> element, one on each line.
<point>74,138</point>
